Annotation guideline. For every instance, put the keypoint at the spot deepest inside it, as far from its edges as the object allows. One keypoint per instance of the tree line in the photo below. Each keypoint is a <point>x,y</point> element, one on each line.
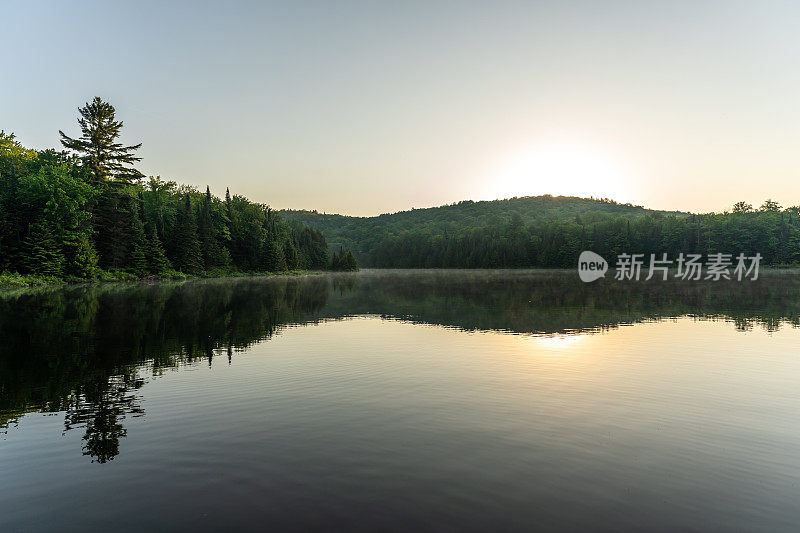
<point>86,212</point>
<point>770,231</point>
<point>551,232</point>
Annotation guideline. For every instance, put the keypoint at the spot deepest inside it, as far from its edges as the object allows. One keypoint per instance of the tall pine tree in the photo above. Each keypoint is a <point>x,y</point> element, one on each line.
<point>214,254</point>
<point>188,257</point>
<point>102,155</point>
<point>156,258</point>
<point>137,240</point>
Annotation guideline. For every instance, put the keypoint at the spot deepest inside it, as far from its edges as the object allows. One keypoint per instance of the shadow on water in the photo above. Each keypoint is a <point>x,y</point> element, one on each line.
<point>86,350</point>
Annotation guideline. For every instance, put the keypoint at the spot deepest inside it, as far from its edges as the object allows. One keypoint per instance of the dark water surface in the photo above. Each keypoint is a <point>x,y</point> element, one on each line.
<point>397,401</point>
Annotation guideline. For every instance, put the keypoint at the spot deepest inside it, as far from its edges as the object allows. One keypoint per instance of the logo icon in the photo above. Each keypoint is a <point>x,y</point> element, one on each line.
<point>591,266</point>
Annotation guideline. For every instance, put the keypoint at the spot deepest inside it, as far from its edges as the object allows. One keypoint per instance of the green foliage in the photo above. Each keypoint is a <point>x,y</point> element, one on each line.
<point>86,215</point>
<point>312,247</point>
<point>187,255</point>
<point>156,258</point>
<point>364,235</point>
<point>44,257</point>
<point>82,259</point>
<point>119,231</point>
<point>551,232</point>
<point>13,279</point>
<point>290,253</point>
<point>344,261</point>
<point>273,259</point>
<point>137,241</point>
<point>101,154</point>
<point>213,232</point>
<point>115,274</point>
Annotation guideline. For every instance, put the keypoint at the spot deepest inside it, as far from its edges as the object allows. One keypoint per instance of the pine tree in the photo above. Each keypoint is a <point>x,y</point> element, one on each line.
<point>110,225</point>
<point>156,258</point>
<point>44,256</point>
<point>137,241</point>
<point>273,259</point>
<point>83,258</point>
<point>214,255</point>
<point>98,147</point>
<point>205,230</point>
<point>188,257</point>
<point>290,253</point>
<point>119,230</point>
<point>15,162</point>
<point>336,260</point>
<point>350,262</point>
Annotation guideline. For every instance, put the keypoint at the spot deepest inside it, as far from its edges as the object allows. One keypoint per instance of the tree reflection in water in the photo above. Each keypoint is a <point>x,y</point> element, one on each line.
<point>100,407</point>
<point>87,350</point>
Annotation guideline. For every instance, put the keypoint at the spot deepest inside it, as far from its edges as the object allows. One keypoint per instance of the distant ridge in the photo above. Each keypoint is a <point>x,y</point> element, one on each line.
<point>365,234</point>
<point>518,204</point>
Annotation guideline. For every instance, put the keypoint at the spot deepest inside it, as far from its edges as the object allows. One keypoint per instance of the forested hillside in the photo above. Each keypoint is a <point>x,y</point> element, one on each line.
<point>547,231</point>
<point>87,213</point>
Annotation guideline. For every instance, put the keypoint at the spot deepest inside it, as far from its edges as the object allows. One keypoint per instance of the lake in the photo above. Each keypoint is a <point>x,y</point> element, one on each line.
<point>402,400</point>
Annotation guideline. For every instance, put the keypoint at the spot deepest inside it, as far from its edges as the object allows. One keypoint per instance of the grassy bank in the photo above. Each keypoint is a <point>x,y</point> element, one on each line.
<point>12,280</point>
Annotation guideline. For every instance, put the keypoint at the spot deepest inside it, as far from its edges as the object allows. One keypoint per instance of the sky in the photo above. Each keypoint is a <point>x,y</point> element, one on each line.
<point>363,108</point>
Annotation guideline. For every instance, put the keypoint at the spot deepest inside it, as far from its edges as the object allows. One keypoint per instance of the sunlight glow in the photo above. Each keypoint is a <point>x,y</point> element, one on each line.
<point>556,345</point>
<point>562,170</point>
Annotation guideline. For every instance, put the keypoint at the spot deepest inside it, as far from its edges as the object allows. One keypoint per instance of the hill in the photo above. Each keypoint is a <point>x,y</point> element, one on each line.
<point>375,240</point>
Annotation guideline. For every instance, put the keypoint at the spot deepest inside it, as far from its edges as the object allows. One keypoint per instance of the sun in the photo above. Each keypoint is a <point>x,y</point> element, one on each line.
<point>562,170</point>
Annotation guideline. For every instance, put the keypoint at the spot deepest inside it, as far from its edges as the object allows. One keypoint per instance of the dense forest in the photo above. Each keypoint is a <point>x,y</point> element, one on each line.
<point>87,213</point>
<point>547,231</point>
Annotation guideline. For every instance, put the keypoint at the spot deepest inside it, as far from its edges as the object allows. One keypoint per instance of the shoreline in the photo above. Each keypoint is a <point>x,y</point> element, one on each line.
<point>28,281</point>
<point>10,281</point>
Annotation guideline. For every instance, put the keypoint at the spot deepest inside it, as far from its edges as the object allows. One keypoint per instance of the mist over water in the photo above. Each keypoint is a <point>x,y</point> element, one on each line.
<point>402,399</point>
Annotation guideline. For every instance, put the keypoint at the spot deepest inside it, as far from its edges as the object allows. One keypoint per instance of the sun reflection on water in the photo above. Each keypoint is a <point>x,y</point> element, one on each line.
<point>557,345</point>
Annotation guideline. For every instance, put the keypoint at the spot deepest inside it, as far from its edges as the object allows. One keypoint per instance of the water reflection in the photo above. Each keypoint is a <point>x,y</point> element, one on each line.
<point>86,351</point>
<point>99,407</point>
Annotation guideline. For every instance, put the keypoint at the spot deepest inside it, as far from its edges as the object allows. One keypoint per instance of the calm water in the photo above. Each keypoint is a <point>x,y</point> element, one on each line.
<point>402,401</point>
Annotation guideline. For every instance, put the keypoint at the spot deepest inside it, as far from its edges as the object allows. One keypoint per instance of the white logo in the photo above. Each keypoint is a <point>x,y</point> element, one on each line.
<point>591,266</point>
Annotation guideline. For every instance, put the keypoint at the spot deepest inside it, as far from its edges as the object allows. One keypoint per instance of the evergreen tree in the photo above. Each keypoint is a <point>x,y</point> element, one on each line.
<point>118,232</point>
<point>205,230</point>
<point>313,249</point>
<point>98,147</point>
<point>350,262</point>
<point>15,162</point>
<point>273,259</point>
<point>64,213</point>
<point>336,261</point>
<point>188,257</point>
<point>83,259</point>
<point>343,261</point>
<point>214,254</point>
<point>290,253</point>
<point>156,258</point>
<point>137,241</point>
<point>44,256</point>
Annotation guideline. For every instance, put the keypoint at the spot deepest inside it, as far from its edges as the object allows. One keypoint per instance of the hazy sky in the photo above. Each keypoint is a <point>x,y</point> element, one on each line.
<point>370,107</point>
